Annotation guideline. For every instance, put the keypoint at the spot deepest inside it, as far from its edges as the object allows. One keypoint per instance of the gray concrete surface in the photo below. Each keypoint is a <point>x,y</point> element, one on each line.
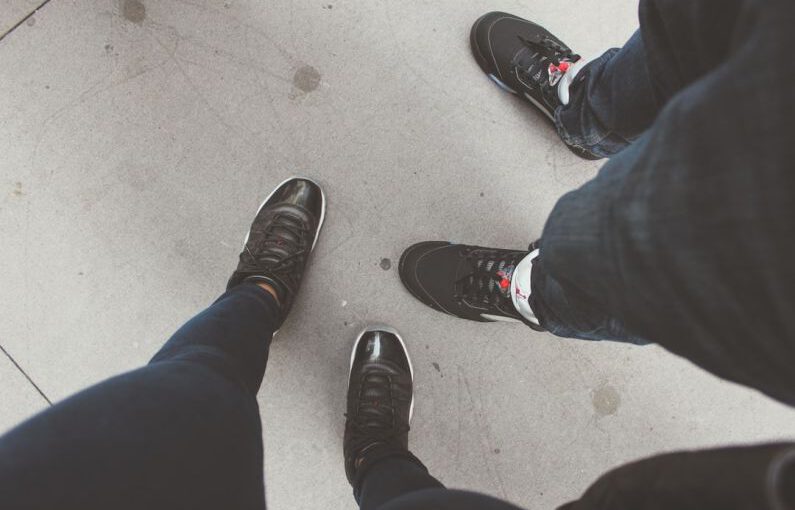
<point>137,140</point>
<point>14,11</point>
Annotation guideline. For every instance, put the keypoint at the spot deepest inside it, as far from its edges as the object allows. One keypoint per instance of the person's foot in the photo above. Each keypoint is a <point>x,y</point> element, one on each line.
<point>524,59</point>
<point>280,239</point>
<point>470,282</point>
<point>380,399</point>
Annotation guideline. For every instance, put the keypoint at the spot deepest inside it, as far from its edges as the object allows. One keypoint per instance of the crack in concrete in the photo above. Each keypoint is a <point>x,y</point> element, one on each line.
<point>36,386</point>
<point>20,22</point>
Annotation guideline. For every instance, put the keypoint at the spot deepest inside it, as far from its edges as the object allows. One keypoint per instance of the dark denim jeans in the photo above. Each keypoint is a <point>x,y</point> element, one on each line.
<point>686,237</point>
<point>182,432</point>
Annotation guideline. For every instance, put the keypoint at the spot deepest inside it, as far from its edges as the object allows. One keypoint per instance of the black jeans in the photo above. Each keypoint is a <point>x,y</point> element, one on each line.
<point>182,432</point>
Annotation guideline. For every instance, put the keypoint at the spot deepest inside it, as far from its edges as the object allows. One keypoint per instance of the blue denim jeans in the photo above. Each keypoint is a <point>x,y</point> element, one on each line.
<point>612,101</point>
<point>686,237</point>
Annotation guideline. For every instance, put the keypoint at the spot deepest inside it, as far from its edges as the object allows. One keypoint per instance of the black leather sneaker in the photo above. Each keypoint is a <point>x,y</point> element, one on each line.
<point>380,400</point>
<point>470,282</point>
<point>283,234</point>
<point>524,59</point>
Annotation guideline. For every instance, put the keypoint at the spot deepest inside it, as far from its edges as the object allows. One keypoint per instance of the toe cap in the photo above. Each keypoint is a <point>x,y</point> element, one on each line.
<point>301,192</point>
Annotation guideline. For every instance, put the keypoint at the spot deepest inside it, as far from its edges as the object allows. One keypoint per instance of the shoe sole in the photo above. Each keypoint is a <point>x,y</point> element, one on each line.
<point>322,210</point>
<point>393,331</point>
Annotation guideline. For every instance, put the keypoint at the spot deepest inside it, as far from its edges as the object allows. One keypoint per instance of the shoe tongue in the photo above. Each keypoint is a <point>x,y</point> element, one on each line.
<point>539,68</point>
<point>372,417</point>
<point>503,272</point>
<point>506,273</point>
<point>377,401</point>
<point>282,240</point>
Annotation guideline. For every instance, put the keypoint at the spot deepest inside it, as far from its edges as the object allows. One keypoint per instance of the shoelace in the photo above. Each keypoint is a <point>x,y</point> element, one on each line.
<point>294,243</point>
<point>552,54</point>
<point>376,419</point>
<point>488,283</point>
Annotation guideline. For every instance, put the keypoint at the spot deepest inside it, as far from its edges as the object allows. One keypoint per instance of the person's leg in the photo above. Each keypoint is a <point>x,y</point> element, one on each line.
<point>181,432</point>
<point>383,472</point>
<point>393,478</point>
<point>685,238</point>
<point>184,431</point>
<point>758,477</point>
<point>620,95</point>
<point>444,499</point>
<point>600,107</point>
<point>380,404</point>
<point>610,102</point>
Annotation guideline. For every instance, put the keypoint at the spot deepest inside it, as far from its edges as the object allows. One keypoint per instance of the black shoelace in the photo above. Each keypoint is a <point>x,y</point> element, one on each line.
<point>376,420</point>
<point>544,53</point>
<point>488,283</point>
<point>550,51</point>
<point>284,233</point>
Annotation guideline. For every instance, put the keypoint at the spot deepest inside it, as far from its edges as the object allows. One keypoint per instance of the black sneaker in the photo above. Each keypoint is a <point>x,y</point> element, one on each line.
<point>525,59</point>
<point>282,236</point>
<point>380,400</point>
<point>470,282</point>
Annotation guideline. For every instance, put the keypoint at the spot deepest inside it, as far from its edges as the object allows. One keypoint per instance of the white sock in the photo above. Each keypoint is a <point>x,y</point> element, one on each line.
<point>520,287</point>
<point>567,79</point>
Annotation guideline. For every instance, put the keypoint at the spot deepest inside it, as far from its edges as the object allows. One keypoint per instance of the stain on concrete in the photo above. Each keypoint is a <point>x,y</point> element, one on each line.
<point>328,6</point>
<point>134,10</point>
<point>497,451</point>
<point>18,190</point>
<point>437,367</point>
<point>306,79</point>
<point>31,21</point>
<point>481,193</point>
<point>386,264</point>
<point>606,400</point>
<point>108,48</point>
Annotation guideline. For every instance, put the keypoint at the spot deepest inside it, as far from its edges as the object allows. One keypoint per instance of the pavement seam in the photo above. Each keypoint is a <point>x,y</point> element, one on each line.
<point>17,25</point>
<point>11,358</point>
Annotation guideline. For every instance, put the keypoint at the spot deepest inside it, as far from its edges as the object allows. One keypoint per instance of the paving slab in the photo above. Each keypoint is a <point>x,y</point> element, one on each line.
<point>20,399</point>
<point>14,11</point>
<point>139,137</point>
